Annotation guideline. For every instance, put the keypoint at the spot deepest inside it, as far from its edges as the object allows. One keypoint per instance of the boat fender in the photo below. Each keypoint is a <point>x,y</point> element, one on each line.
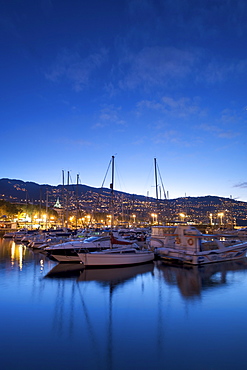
<point>177,240</point>
<point>190,241</point>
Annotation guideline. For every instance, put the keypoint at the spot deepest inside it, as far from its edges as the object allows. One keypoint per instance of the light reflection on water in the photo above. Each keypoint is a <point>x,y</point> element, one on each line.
<point>152,316</point>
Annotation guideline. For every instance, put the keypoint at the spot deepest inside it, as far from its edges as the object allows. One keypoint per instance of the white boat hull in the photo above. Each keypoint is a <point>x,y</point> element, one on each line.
<point>115,259</point>
<point>200,258</point>
<point>64,258</point>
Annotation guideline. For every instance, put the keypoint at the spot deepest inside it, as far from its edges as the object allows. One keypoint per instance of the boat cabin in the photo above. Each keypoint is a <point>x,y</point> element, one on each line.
<point>184,237</point>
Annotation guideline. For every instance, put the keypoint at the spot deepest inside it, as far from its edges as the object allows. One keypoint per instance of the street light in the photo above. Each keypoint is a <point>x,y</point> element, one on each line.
<point>88,219</point>
<point>182,216</point>
<point>154,216</point>
<point>109,222</point>
<point>221,215</point>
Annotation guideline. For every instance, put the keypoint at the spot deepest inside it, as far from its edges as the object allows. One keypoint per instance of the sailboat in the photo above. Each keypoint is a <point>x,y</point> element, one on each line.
<point>123,255</point>
<point>120,256</point>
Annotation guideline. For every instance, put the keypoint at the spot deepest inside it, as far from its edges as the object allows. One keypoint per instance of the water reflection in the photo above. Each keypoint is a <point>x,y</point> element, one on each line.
<point>191,280</point>
<point>109,279</point>
<point>16,253</point>
<point>120,318</point>
<point>17,256</point>
<point>65,270</point>
<point>94,291</point>
<point>115,276</point>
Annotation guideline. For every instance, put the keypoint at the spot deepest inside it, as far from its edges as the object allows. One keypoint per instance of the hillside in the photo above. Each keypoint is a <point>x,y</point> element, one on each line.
<point>89,199</point>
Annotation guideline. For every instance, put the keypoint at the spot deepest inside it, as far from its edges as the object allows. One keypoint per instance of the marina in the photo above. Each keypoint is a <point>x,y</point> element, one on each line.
<point>150,316</point>
<point>123,206</point>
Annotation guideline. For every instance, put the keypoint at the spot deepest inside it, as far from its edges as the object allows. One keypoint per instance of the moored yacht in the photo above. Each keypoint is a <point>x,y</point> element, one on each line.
<point>68,252</point>
<point>120,256</point>
<point>187,244</point>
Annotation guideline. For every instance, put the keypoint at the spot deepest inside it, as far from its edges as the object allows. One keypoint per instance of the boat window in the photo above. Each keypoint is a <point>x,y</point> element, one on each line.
<point>91,239</point>
<point>162,231</point>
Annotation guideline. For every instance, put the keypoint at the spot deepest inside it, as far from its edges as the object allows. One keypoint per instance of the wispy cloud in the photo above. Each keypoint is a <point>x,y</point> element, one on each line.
<point>228,135</point>
<point>218,131</point>
<point>76,69</point>
<point>241,185</point>
<point>217,70</point>
<point>69,142</point>
<point>210,128</point>
<point>181,108</point>
<point>205,19</point>
<point>171,136</point>
<point>110,115</point>
<point>149,104</point>
<point>153,66</point>
<point>161,66</point>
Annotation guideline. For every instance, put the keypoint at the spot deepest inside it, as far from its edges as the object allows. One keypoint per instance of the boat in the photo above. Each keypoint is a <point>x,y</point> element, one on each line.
<point>186,244</point>
<point>24,233</point>
<point>120,256</point>
<point>126,252</point>
<point>17,235</point>
<point>9,235</point>
<point>64,231</point>
<point>67,252</point>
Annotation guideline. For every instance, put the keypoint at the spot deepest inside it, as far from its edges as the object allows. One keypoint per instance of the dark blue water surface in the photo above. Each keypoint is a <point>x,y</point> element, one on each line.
<point>153,316</point>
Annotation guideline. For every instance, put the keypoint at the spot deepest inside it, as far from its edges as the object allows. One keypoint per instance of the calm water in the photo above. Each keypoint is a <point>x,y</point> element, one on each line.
<point>153,316</point>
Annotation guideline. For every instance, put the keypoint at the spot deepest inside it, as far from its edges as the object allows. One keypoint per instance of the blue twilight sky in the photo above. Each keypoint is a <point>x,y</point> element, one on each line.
<point>139,79</point>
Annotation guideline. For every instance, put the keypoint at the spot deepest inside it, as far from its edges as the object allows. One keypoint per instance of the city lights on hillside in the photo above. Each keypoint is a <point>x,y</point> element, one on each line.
<point>182,216</point>
<point>221,215</point>
<point>154,218</point>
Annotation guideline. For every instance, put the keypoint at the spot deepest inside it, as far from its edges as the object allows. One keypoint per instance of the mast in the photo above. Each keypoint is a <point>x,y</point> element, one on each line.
<point>40,202</point>
<point>112,193</point>
<point>63,197</point>
<point>26,207</point>
<point>156,185</point>
<point>67,201</point>
<point>46,208</point>
<point>155,175</point>
<point>122,210</point>
<point>77,202</point>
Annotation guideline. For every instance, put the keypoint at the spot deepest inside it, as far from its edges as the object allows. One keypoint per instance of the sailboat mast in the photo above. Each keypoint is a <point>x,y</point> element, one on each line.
<point>67,201</point>
<point>46,208</point>
<point>112,193</point>
<point>77,201</point>
<point>112,179</point>
<point>155,175</point>
<point>63,197</point>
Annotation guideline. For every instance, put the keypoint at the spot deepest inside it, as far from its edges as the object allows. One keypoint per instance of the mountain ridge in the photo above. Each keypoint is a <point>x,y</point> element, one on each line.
<point>31,186</point>
<point>90,200</point>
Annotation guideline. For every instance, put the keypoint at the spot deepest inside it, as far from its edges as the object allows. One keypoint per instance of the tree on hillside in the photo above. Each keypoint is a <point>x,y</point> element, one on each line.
<point>8,209</point>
